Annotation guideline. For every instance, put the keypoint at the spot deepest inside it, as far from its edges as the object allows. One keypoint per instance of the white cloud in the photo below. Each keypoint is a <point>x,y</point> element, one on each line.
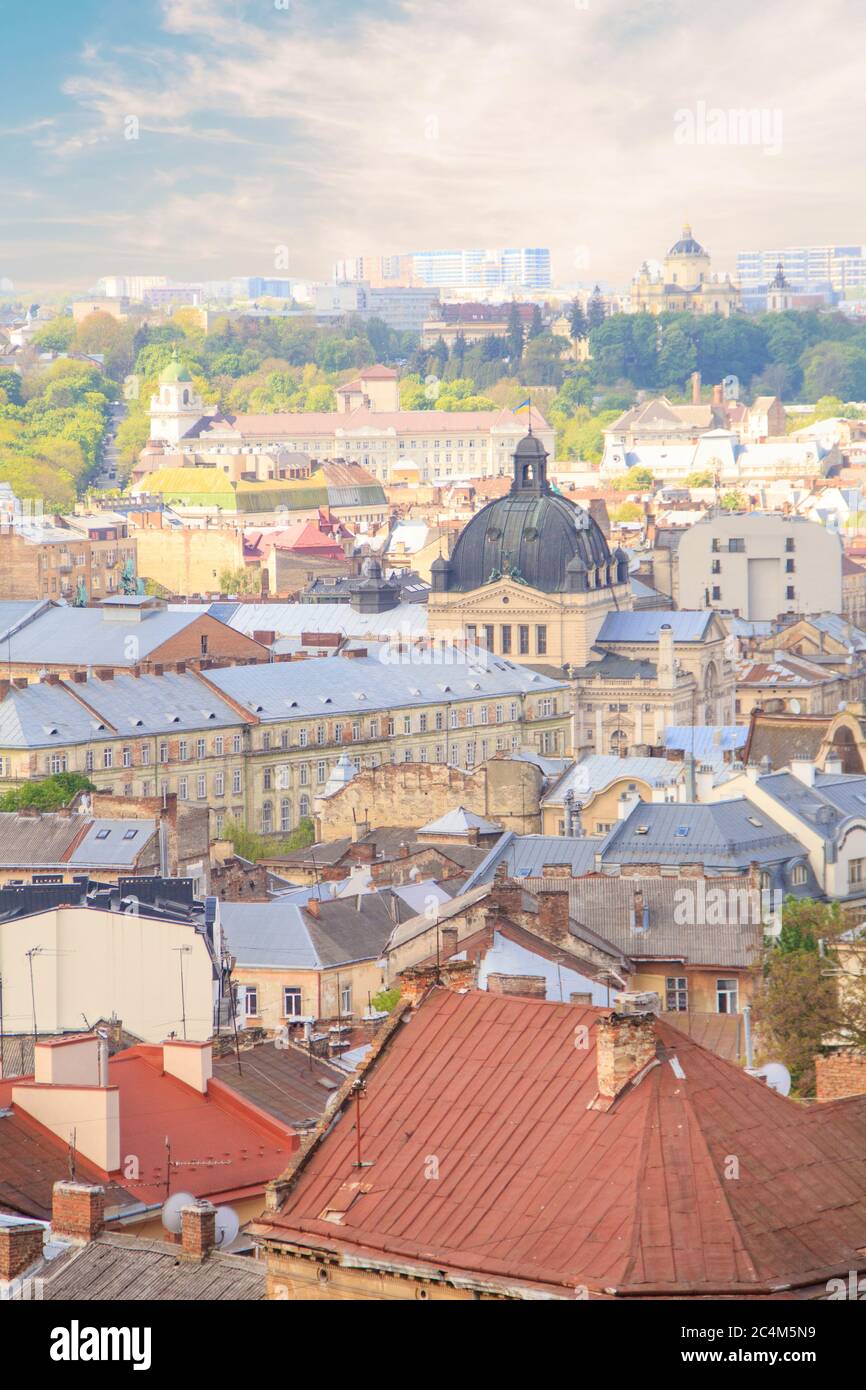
<point>423,123</point>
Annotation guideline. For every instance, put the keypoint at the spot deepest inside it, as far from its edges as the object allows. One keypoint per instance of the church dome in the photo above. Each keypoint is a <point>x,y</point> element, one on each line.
<point>531,535</point>
<point>175,371</point>
<point>687,246</point>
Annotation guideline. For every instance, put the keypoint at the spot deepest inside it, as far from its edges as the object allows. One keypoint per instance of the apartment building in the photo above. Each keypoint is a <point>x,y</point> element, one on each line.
<point>257,743</point>
<point>67,557</point>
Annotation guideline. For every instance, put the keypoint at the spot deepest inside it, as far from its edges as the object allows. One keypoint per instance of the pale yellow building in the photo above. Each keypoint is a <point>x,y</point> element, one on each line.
<point>531,577</point>
<point>686,284</point>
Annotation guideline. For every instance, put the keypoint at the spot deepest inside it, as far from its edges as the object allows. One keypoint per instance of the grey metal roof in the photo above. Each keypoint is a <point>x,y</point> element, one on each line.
<point>616,666</point>
<point>525,855</point>
<point>85,637</point>
<point>679,922</point>
<point>114,843</point>
<point>45,715</point>
<point>291,619</point>
<point>14,612</point>
<point>826,806</point>
<point>644,626</point>
<point>269,935</point>
<point>708,742</point>
<point>458,822</point>
<point>312,688</point>
<point>598,770</point>
<point>719,835</point>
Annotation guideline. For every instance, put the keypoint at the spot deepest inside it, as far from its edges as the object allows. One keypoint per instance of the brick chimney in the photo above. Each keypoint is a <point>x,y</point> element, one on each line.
<point>314,907</point>
<point>518,986</point>
<point>20,1247</point>
<point>198,1230</point>
<point>363,853</point>
<point>553,916</point>
<point>77,1210</point>
<point>625,1044</point>
<point>456,975</point>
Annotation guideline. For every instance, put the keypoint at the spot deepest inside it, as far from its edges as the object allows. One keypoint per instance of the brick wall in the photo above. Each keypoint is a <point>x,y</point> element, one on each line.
<point>839,1075</point>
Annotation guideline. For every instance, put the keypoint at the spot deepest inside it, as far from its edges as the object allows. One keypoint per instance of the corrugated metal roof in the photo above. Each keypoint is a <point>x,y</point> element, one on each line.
<point>536,1188</point>
<point>84,637</point>
<point>458,822</point>
<point>118,1267</point>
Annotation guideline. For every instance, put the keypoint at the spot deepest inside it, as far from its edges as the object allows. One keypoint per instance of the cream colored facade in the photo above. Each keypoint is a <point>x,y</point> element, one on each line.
<point>759,565</point>
<point>686,284</point>
<point>91,963</point>
<point>266,775</point>
<point>325,994</point>
<point>189,560</point>
<point>524,624</point>
<point>600,811</point>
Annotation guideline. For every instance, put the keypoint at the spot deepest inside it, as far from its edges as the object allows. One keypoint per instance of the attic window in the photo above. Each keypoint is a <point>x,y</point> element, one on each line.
<point>681,831</point>
<point>359,695</point>
<point>173,718</point>
<point>49,730</point>
<point>102,834</point>
<point>753,820</point>
<point>446,689</point>
<point>137,723</point>
<point>413,690</point>
<point>129,834</point>
<point>474,685</point>
<point>641,830</point>
<point>292,704</point>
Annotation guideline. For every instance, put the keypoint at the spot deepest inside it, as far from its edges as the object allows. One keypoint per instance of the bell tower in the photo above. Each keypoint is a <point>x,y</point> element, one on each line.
<point>176,405</point>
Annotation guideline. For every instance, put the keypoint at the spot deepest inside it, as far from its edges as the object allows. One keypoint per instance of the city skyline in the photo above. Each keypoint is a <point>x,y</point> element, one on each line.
<point>201,140</point>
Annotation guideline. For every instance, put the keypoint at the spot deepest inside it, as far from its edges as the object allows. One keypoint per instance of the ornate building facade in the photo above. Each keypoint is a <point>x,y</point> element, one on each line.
<point>531,577</point>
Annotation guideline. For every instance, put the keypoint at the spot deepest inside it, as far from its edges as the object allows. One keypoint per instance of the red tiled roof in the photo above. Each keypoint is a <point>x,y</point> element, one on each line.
<point>539,1190</point>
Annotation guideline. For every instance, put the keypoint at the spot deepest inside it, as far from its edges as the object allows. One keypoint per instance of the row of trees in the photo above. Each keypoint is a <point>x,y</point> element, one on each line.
<point>52,428</point>
<point>791,355</point>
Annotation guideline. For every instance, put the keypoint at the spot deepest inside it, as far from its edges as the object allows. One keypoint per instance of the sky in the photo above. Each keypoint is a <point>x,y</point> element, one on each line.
<point>205,138</point>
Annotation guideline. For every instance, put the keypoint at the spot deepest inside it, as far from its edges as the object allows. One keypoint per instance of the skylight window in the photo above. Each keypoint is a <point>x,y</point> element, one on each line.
<point>641,830</point>
<point>102,834</point>
<point>129,834</point>
<point>681,831</point>
<point>753,820</point>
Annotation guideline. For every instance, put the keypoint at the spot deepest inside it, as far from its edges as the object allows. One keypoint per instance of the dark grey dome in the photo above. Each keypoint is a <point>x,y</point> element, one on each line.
<point>687,246</point>
<point>531,535</point>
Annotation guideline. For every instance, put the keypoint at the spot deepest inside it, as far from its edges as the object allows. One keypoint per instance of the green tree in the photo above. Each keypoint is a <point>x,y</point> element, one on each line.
<point>49,794</point>
<point>595,314</point>
<point>57,335</point>
<point>514,336</point>
<point>577,322</point>
<point>834,369</point>
<point>637,479</point>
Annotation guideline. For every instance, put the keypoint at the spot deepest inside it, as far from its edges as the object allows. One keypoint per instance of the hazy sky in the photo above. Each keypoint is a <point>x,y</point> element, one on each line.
<point>335,127</point>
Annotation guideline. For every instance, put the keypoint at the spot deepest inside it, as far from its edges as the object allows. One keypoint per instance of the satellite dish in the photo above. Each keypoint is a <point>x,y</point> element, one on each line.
<point>172,1208</point>
<point>227,1226</point>
<point>775,1075</point>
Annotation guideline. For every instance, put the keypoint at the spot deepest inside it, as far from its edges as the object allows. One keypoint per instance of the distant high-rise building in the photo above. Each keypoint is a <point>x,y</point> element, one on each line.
<point>525,267</point>
<point>806,269</point>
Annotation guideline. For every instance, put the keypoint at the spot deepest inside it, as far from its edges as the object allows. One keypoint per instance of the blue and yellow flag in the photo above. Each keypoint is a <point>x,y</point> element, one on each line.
<point>524,405</point>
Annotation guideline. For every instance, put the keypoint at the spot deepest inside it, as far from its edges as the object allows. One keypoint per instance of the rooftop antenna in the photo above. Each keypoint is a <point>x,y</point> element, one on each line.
<point>34,951</point>
<point>181,952</point>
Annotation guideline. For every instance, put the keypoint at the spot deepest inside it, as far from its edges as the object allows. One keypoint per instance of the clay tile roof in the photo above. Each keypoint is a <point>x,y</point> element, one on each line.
<point>537,1190</point>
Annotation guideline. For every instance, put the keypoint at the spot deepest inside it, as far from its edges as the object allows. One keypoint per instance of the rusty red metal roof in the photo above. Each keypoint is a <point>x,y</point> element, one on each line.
<point>535,1188</point>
